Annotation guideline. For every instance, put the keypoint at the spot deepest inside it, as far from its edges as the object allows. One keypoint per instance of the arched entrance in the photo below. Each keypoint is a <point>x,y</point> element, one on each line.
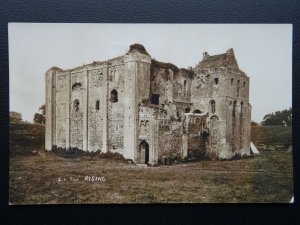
<point>144,153</point>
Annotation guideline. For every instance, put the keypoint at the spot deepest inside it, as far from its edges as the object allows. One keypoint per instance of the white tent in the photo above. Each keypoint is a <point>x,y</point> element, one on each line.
<point>253,149</point>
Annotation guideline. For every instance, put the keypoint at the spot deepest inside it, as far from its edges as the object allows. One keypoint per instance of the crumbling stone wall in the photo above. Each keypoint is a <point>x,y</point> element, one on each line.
<point>116,106</point>
<point>170,140</point>
<point>96,108</point>
<point>196,128</point>
<point>62,91</point>
<point>78,109</point>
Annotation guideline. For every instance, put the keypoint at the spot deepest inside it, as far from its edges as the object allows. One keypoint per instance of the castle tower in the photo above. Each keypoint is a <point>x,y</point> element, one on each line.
<point>224,91</point>
<point>137,88</point>
<point>50,101</point>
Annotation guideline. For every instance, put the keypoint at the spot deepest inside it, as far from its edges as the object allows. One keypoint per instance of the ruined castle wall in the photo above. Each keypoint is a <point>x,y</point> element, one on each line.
<point>50,106</point>
<point>223,86</point>
<point>182,83</point>
<point>208,86</point>
<point>78,109</point>
<point>147,133</point>
<point>174,89</point>
<point>137,72</point>
<point>197,142</point>
<point>116,108</point>
<point>161,83</point>
<point>143,81</point>
<point>170,139</point>
<point>97,108</point>
<point>82,110</point>
<point>237,85</point>
<point>62,105</point>
<point>238,124</point>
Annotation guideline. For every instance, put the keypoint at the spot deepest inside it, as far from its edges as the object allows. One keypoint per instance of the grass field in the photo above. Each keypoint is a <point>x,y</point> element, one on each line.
<point>50,179</point>
<point>40,177</point>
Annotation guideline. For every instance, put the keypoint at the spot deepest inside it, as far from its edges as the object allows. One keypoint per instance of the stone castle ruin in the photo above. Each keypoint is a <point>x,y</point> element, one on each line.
<point>148,110</point>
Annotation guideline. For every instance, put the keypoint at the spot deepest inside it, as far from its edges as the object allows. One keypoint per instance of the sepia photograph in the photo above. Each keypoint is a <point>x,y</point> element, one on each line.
<point>150,113</point>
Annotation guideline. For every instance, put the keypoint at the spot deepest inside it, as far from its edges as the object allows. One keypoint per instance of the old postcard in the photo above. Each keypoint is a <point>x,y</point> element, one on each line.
<point>150,113</point>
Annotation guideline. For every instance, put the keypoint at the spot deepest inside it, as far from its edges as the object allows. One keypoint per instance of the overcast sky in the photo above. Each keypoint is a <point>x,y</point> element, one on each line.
<point>263,52</point>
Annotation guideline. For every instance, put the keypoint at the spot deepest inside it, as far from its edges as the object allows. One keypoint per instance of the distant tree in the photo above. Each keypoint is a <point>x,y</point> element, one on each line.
<point>15,117</point>
<point>43,109</point>
<point>253,123</point>
<point>283,118</point>
<point>40,117</point>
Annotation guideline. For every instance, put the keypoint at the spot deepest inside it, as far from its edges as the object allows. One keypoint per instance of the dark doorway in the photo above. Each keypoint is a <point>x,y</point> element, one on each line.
<point>187,110</point>
<point>144,152</point>
<point>155,99</point>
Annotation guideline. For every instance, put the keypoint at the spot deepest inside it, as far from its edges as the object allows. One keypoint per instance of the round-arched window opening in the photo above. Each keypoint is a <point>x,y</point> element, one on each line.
<point>185,87</point>
<point>242,105</point>
<point>212,104</point>
<point>114,95</point>
<point>244,84</point>
<point>76,105</point>
<point>216,80</point>
<point>231,81</point>
<point>196,111</point>
<point>214,118</point>
<point>234,108</point>
<point>97,105</point>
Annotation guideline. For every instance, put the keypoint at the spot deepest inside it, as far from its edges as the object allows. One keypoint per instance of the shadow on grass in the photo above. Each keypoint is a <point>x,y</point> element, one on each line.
<point>76,153</point>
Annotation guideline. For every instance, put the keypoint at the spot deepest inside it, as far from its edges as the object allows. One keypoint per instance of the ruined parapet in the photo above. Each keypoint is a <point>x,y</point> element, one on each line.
<point>225,60</point>
<point>137,48</point>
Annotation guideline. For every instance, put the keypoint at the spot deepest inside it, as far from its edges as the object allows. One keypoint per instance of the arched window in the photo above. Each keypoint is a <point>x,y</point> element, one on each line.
<point>76,105</point>
<point>231,81</point>
<point>216,80</point>
<point>187,110</point>
<point>147,123</point>
<point>116,76</point>
<point>212,104</point>
<point>196,111</point>
<point>242,105</point>
<point>185,87</point>
<point>114,96</point>
<point>97,105</point>
<point>244,84</point>
<point>234,108</point>
<point>112,75</point>
<point>76,86</point>
<point>238,88</point>
<point>215,118</point>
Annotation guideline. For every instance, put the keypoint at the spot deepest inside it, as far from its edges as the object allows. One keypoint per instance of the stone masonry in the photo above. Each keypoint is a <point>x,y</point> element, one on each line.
<point>148,110</point>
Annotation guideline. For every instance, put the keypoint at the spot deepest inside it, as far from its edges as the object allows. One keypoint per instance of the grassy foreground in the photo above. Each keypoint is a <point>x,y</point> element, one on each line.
<point>47,178</point>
